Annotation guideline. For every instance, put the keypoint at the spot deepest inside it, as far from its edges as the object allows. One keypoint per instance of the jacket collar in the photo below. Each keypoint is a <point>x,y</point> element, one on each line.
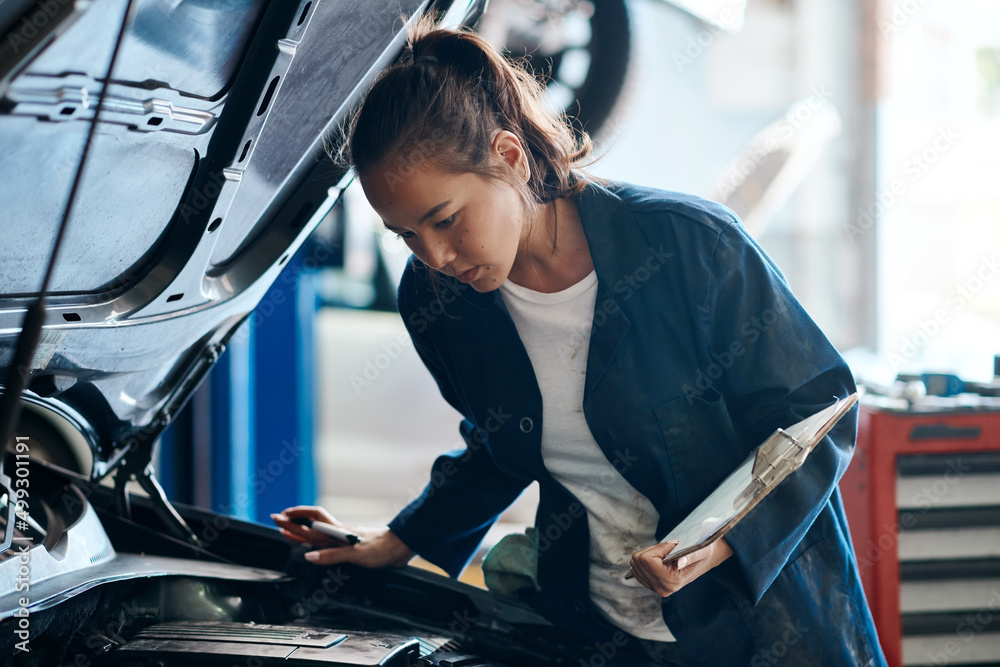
<point>606,224</point>
<point>605,221</point>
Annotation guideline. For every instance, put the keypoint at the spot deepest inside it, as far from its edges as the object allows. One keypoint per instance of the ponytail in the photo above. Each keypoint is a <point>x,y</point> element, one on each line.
<point>444,101</point>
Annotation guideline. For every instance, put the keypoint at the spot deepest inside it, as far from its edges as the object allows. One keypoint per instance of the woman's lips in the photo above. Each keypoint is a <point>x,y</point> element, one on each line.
<point>468,276</point>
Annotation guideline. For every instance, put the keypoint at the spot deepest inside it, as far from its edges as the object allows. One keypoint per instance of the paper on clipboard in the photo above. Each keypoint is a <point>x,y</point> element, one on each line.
<point>776,458</point>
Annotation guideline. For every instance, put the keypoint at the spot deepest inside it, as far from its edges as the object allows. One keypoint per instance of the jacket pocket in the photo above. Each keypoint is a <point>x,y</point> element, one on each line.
<point>701,445</point>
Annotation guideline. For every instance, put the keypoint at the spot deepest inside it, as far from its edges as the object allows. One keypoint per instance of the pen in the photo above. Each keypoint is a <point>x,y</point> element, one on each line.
<point>328,529</point>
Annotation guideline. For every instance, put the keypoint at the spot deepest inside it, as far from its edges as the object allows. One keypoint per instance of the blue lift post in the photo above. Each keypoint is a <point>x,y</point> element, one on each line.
<point>232,387</point>
<point>284,473</point>
<point>248,451</point>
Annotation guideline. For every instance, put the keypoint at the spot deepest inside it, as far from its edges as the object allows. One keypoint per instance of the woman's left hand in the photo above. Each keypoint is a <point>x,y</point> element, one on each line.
<point>666,579</point>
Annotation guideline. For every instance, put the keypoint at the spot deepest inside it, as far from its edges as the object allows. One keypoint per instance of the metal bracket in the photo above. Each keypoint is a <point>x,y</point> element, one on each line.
<point>776,458</point>
<point>138,466</point>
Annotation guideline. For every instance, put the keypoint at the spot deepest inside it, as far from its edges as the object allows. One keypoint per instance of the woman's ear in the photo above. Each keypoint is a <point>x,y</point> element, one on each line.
<point>508,148</point>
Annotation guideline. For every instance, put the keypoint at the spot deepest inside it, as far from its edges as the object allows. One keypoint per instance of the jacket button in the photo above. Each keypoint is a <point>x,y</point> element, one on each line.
<point>527,425</point>
<point>579,607</point>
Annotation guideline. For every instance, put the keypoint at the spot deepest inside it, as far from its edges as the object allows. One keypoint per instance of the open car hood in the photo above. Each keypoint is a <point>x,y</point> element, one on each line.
<point>206,172</point>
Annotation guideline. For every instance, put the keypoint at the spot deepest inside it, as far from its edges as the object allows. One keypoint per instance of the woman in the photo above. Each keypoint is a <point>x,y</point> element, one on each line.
<point>627,348</point>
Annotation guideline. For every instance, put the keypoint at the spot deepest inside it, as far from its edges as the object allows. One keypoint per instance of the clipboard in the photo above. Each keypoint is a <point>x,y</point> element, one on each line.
<point>775,459</point>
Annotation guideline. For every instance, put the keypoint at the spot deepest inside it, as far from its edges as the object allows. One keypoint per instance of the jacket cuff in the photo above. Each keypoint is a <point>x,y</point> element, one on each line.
<point>421,533</point>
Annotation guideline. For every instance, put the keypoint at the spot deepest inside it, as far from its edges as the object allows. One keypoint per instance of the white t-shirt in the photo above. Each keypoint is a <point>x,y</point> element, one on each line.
<point>555,330</point>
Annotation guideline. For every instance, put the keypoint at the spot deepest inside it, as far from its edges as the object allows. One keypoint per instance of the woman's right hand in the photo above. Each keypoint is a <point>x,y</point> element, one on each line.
<point>378,546</point>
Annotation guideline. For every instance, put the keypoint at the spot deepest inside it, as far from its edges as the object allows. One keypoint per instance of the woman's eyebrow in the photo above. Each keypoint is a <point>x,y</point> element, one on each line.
<point>424,217</point>
<point>433,211</point>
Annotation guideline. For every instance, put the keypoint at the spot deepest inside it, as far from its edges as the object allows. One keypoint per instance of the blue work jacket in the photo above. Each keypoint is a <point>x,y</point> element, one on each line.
<point>698,352</point>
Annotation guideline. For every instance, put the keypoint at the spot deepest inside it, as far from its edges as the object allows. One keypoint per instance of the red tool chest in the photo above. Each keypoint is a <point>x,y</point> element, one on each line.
<point>922,496</point>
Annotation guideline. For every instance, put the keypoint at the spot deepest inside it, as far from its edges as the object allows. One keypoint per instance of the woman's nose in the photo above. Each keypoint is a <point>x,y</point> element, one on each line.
<point>438,253</point>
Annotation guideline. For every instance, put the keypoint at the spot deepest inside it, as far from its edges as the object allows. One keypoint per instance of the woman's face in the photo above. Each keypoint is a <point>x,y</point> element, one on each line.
<point>457,223</point>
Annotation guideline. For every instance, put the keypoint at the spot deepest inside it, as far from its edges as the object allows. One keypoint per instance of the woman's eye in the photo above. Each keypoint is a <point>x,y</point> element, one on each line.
<point>444,224</point>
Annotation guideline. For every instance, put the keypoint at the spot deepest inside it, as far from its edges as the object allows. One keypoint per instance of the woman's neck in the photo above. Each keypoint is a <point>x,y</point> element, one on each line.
<point>554,253</point>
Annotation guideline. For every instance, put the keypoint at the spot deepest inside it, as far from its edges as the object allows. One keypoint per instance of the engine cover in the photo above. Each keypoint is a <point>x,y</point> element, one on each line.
<point>219,643</point>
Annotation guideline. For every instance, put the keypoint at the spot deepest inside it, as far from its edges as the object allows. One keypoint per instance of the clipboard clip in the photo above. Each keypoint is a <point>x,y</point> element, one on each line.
<point>778,457</point>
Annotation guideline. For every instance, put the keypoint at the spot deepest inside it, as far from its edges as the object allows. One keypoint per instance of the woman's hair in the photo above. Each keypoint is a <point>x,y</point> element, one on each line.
<point>444,101</point>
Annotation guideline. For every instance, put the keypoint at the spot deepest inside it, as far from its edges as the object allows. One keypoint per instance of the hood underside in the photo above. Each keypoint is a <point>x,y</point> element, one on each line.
<point>205,173</point>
